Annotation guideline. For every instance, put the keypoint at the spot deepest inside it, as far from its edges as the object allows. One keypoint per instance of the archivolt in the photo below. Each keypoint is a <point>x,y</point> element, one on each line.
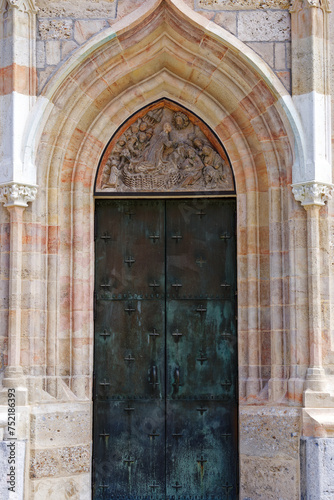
<point>168,52</point>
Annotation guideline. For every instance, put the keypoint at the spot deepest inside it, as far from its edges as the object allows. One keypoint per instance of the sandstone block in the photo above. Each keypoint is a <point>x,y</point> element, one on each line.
<point>265,50</point>
<point>270,432</point>
<point>40,55</point>
<point>83,30</point>
<point>60,461</point>
<point>269,478</point>
<point>58,425</point>
<point>76,487</point>
<point>243,4</point>
<point>67,47</point>
<point>52,50</point>
<point>55,29</point>
<point>228,21</point>
<point>280,59</point>
<point>77,9</point>
<point>267,26</point>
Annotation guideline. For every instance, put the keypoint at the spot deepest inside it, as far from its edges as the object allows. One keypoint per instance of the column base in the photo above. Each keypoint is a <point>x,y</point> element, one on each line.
<point>317,399</point>
<point>315,379</point>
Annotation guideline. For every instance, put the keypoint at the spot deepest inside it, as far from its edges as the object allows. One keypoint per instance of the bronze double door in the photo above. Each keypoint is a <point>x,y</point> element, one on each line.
<point>165,374</point>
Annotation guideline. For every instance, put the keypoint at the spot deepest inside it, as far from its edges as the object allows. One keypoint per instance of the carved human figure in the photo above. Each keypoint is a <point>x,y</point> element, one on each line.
<point>157,152</point>
<point>191,167</point>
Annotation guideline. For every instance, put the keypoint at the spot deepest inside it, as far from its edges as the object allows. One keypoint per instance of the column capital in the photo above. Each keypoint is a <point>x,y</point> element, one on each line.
<point>312,193</point>
<point>28,6</point>
<point>15,194</point>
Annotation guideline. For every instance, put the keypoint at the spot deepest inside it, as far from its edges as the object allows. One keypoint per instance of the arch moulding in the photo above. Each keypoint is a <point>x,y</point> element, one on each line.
<point>168,52</point>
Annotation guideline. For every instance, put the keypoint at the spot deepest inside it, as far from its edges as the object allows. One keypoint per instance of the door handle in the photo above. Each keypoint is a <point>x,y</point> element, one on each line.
<point>176,383</point>
<point>153,378</point>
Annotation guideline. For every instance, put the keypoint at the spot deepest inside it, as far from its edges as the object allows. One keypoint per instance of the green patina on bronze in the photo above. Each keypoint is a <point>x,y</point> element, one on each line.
<point>165,392</point>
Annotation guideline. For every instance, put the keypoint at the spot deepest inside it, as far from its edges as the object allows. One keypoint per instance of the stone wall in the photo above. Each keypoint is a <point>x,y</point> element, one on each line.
<point>64,26</point>
<point>60,454</point>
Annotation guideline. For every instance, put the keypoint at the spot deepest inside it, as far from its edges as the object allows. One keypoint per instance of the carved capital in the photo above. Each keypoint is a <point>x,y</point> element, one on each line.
<point>312,193</point>
<point>22,5</point>
<point>15,194</point>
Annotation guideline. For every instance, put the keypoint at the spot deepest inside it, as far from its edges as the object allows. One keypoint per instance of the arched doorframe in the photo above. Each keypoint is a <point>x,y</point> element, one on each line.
<point>103,84</point>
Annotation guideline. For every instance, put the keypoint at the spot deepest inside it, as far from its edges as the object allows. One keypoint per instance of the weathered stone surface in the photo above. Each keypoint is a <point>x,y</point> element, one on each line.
<point>67,47</point>
<point>60,461</point>
<point>60,425</point>
<point>317,466</point>
<point>40,54</point>
<point>243,4</point>
<point>280,56</point>
<point>44,75</point>
<point>52,51</point>
<point>270,432</point>
<point>56,29</point>
<point>83,30</point>
<point>78,9</point>
<point>269,478</point>
<point>285,77</point>
<point>265,50</point>
<point>19,470</point>
<point>76,487</point>
<point>265,26</point>
<point>227,20</point>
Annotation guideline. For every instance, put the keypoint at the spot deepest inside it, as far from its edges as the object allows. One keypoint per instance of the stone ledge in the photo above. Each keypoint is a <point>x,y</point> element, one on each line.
<point>318,422</point>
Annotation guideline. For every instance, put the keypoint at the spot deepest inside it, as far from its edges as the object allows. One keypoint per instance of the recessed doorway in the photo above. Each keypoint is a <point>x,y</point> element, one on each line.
<point>165,384</point>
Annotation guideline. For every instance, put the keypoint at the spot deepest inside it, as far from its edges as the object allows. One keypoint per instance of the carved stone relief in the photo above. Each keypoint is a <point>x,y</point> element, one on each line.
<point>164,150</point>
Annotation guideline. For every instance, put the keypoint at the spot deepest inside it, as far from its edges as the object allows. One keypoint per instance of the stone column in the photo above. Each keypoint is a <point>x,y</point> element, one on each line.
<point>15,197</point>
<point>312,180</point>
<point>312,196</point>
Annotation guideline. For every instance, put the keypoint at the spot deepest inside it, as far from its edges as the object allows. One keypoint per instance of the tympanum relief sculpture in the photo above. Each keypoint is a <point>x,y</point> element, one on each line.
<point>164,150</point>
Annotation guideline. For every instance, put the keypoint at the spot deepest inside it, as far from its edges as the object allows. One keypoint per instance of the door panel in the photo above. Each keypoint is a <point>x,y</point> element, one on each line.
<point>129,407</point>
<point>133,345</point>
<point>165,411</point>
<point>199,347</point>
<point>125,430</point>
<point>200,450</point>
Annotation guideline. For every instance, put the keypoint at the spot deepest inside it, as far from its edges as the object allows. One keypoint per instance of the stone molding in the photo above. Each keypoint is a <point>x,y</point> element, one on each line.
<point>18,195</point>
<point>22,5</point>
<point>312,193</point>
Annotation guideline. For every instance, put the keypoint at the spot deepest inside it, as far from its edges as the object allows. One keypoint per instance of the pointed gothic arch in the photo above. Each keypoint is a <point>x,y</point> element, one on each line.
<point>168,52</point>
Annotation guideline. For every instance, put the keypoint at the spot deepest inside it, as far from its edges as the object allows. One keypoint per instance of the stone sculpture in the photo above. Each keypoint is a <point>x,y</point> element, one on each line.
<point>165,151</point>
